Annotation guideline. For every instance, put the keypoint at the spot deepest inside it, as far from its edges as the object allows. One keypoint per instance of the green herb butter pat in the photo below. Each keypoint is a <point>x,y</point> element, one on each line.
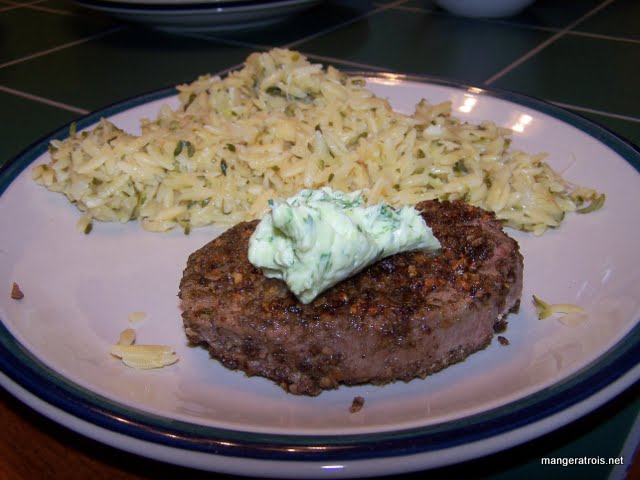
<point>317,238</point>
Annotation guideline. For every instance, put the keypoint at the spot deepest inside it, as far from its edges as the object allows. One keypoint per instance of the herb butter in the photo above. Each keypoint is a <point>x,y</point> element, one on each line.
<point>317,238</point>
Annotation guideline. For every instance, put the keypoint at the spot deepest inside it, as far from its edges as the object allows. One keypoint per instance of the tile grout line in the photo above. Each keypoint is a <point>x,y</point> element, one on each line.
<point>60,47</point>
<point>630,448</point>
<point>33,5</point>
<point>43,100</point>
<point>368,67</point>
<point>38,8</point>
<point>225,41</point>
<point>376,10</point>
<point>334,60</point>
<point>374,68</point>
<point>618,116</point>
<point>526,26</point>
<point>601,36</point>
<point>293,44</point>
<point>8,8</point>
<point>393,5</point>
<point>8,5</point>
<point>23,4</point>
<point>546,43</point>
<point>11,4</point>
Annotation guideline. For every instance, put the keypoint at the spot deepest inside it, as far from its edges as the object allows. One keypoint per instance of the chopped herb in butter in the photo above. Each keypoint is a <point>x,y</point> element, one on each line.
<point>317,238</point>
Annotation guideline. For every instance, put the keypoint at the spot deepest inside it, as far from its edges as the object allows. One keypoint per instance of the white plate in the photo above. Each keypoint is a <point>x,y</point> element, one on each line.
<point>79,289</point>
<point>203,16</point>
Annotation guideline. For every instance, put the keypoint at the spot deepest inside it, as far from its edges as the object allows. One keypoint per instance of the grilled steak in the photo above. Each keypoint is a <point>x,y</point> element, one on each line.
<point>407,316</point>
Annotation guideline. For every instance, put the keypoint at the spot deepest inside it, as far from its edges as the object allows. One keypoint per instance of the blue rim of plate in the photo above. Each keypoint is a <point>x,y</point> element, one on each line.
<point>617,366</point>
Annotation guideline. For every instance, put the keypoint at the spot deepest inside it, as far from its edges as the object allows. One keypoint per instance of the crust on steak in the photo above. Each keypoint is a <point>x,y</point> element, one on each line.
<point>405,317</point>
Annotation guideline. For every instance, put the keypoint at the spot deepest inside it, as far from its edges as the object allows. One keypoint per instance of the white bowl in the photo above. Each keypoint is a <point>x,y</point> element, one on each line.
<point>484,8</point>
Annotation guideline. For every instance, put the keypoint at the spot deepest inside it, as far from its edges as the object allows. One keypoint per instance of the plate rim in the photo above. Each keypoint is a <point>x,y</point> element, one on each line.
<point>169,3</point>
<point>221,7</point>
<point>596,383</point>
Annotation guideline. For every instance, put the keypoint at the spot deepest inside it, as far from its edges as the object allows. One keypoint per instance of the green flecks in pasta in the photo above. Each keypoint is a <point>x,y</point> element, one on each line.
<point>460,167</point>
<point>188,103</point>
<point>596,204</point>
<point>275,91</point>
<point>262,120</point>
<point>184,145</point>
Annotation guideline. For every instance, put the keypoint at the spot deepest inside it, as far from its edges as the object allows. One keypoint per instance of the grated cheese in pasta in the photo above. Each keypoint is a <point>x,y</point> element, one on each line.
<point>282,124</point>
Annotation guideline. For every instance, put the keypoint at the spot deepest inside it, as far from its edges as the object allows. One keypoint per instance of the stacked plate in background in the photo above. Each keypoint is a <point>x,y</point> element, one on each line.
<point>200,15</point>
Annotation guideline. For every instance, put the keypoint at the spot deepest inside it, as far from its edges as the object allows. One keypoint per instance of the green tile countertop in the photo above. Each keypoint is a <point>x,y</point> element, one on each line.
<point>60,61</point>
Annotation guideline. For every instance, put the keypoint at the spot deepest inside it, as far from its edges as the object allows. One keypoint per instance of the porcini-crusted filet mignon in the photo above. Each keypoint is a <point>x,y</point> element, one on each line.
<point>407,316</point>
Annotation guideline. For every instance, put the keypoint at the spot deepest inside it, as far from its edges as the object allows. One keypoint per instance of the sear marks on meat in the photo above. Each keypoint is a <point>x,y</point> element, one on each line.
<point>405,317</point>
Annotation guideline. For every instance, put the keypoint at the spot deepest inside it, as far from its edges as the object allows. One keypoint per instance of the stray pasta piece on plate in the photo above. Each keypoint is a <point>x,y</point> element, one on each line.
<point>145,356</point>
<point>142,356</point>
<point>136,317</point>
<point>127,337</point>
<point>571,314</point>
